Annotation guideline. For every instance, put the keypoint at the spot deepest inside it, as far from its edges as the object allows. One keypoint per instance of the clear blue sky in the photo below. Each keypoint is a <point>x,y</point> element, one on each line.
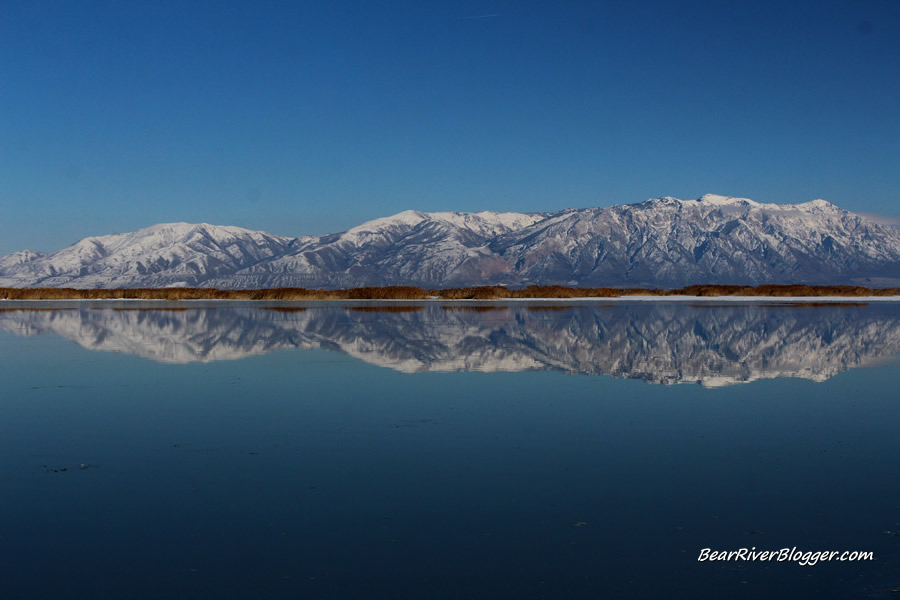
<point>310,117</point>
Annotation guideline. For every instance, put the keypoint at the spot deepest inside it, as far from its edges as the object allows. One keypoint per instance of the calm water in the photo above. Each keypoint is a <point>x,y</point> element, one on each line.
<point>467,451</point>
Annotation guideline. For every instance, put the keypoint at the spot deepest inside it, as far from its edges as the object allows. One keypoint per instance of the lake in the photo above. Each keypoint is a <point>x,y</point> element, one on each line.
<point>447,450</point>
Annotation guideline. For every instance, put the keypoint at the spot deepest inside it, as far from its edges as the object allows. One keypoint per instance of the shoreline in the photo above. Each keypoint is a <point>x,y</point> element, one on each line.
<point>706,293</point>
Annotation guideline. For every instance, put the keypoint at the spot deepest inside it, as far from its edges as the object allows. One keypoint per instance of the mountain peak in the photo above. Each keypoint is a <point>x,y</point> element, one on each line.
<point>662,242</point>
<point>716,199</point>
<point>407,217</point>
<point>820,204</point>
<point>18,258</point>
<point>666,200</point>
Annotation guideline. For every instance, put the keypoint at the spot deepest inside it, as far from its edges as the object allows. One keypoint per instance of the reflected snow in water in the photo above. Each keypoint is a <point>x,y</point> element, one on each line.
<point>714,345</point>
<point>446,450</point>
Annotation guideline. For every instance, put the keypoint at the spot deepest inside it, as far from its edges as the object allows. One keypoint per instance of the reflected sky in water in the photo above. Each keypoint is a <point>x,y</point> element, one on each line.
<point>711,344</point>
<point>439,451</point>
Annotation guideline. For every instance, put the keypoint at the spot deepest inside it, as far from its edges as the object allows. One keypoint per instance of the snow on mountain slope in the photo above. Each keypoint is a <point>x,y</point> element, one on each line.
<point>663,242</point>
<point>156,256</point>
<point>19,258</point>
<point>409,248</point>
<point>716,239</point>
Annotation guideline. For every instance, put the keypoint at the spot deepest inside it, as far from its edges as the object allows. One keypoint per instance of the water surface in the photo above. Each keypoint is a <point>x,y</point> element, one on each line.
<point>491,450</point>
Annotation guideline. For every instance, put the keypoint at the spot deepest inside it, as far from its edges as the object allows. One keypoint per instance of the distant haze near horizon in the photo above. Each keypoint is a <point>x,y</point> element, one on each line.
<point>310,118</point>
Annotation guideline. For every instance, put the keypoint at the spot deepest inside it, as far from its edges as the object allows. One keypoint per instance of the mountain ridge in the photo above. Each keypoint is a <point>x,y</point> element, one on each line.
<point>661,242</point>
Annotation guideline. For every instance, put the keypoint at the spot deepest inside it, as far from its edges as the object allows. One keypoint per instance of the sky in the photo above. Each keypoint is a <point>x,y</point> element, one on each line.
<point>311,117</point>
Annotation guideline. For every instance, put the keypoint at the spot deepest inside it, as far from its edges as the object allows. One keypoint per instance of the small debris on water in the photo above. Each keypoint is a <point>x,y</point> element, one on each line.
<point>80,467</point>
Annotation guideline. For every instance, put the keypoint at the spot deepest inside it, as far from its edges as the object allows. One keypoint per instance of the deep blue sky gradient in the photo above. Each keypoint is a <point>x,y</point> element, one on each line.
<point>310,117</point>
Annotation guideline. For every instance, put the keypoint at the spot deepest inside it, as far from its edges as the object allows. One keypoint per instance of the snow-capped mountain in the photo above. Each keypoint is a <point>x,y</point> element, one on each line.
<point>664,242</point>
<point>668,242</point>
<point>409,248</point>
<point>657,342</point>
<point>11,261</point>
<point>169,254</point>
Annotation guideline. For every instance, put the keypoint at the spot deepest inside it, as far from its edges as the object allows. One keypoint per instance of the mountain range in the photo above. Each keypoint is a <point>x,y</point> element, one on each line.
<point>663,242</point>
<point>661,343</point>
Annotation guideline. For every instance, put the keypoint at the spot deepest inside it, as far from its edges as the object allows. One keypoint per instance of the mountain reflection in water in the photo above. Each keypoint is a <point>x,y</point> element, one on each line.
<point>711,344</point>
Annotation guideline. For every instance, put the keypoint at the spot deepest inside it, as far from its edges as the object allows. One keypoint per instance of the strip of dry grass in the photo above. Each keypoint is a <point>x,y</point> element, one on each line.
<point>416,293</point>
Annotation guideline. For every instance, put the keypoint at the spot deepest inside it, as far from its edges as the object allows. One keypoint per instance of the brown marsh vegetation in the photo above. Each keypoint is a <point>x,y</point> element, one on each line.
<point>415,293</point>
